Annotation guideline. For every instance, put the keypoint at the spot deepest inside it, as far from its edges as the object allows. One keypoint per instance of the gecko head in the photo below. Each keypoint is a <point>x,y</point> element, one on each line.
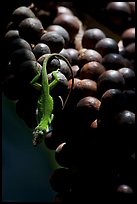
<point>38,136</point>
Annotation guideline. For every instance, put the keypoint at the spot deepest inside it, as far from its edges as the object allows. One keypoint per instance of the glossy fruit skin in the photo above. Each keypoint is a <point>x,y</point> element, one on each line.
<point>55,41</point>
<point>64,10</point>
<point>91,37</point>
<point>124,193</point>
<point>34,27</point>
<point>66,54</point>
<point>92,70</point>
<point>106,46</point>
<point>114,61</point>
<point>118,14</point>
<point>26,72</point>
<point>129,76</point>
<point>18,44</point>
<point>81,89</point>
<point>73,53</point>
<point>110,79</point>
<point>124,119</point>
<point>87,109</point>
<point>64,155</point>
<point>69,22</point>
<point>22,13</point>
<point>88,55</point>
<point>52,140</point>
<point>60,30</point>
<point>65,69</point>
<point>111,101</point>
<point>60,180</point>
<point>130,100</point>
<point>129,52</point>
<point>128,36</point>
<point>10,36</point>
<point>125,189</point>
<point>19,56</point>
<point>41,49</point>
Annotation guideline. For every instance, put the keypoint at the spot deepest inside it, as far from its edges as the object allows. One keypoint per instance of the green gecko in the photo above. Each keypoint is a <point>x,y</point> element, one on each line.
<point>45,102</point>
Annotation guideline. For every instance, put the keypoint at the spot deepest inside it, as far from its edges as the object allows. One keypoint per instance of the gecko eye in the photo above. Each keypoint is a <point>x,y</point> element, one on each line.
<point>40,132</point>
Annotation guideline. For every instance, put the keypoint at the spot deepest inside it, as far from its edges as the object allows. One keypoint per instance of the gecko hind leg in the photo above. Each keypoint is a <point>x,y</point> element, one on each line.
<point>55,81</point>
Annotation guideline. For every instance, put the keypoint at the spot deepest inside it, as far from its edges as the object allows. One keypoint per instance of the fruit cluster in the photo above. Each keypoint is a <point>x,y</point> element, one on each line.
<point>93,137</point>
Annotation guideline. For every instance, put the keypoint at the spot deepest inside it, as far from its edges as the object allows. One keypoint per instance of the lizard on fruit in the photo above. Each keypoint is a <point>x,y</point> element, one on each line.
<point>45,102</point>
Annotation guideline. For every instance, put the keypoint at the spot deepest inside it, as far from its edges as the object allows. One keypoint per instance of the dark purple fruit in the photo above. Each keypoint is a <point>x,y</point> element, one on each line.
<point>92,70</point>
<point>10,36</point>
<point>65,69</point>
<point>88,55</point>
<point>60,180</point>
<point>64,10</point>
<point>125,193</point>
<point>19,56</point>
<point>69,22</point>
<point>52,140</point>
<point>91,37</point>
<point>128,36</point>
<point>113,61</point>
<point>41,49</point>
<point>82,88</point>
<point>110,79</point>
<point>129,51</point>
<point>64,156</point>
<point>27,71</point>
<point>87,109</point>
<point>60,30</point>
<point>54,40</point>
<point>66,54</point>
<point>130,100</point>
<point>118,14</point>
<point>129,76</point>
<point>31,30</point>
<point>106,46</point>
<point>73,55</point>
<point>124,119</point>
<point>21,13</point>
<point>124,189</point>
<point>111,101</point>
<point>18,44</point>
